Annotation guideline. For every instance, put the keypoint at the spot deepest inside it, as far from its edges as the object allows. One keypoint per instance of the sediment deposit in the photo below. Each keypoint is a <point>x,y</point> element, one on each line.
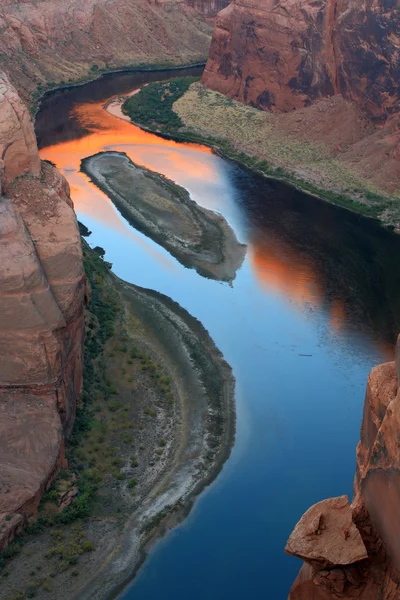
<point>197,237</point>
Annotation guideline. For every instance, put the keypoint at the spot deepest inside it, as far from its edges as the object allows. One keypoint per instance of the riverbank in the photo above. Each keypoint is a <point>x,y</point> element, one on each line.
<point>270,144</point>
<point>199,238</point>
<point>155,425</point>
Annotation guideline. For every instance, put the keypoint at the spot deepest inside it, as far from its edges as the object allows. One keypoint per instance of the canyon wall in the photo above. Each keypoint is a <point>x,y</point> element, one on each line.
<point>42,292</point>
<point>284,55</point>
<point>60,40</point>
<point>353,551</point>
<point>207,8</point>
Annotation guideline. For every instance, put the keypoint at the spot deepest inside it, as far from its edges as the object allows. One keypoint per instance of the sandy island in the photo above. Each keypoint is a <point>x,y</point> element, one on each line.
<point>199,238</point>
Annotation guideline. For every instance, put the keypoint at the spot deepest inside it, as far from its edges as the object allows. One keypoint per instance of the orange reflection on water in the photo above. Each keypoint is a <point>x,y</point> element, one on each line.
<point>278,268</point>
<point>107,132</point>
<point>276,264</point>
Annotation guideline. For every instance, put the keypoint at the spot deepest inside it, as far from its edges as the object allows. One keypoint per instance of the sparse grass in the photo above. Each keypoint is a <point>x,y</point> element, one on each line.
<point>254,138</point>
<point>150,412</point>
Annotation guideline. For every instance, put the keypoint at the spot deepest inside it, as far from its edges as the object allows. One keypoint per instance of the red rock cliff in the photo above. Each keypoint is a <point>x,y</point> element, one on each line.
<point>42,289</point>
<point>354,552</point>
<point>281,55</point>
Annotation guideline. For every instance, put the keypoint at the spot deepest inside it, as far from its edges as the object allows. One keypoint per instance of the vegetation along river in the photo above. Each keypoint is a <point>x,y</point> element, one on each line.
<point>315,304</point>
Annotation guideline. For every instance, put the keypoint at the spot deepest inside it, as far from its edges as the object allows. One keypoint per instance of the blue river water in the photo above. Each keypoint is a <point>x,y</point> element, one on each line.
<point>313,308</point>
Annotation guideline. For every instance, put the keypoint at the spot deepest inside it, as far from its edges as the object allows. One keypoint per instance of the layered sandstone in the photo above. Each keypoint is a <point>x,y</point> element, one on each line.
<point>284,55</point>
<point>57,40</point>
<point>42,289</point>
<point>373,515</point>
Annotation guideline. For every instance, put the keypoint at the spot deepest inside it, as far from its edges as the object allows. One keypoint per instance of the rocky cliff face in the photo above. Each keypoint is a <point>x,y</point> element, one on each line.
<point>355,552</point>
<point>284,55</point>
<point>207,8</point>
<point>42,290</point>
<point>55,40</point>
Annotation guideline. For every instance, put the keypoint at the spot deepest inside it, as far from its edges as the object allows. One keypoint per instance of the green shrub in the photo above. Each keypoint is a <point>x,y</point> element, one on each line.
<point>153,104</point>
<point>88,546</point>
<point>150,412</point>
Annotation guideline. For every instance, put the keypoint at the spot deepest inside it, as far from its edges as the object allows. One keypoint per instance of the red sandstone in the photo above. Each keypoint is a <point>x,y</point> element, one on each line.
<point>42,289</point>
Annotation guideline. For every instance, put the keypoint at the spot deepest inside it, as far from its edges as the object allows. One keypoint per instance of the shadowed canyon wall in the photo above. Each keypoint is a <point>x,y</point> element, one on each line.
<point>353,551</point>
<point>42,292</point>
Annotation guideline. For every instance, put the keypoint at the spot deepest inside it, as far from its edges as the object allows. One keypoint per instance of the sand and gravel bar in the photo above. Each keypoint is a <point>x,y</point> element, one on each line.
<point>197,237</point>
<point>201,433</point>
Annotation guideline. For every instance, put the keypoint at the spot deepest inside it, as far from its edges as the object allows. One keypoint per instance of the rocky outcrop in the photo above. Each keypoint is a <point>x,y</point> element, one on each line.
<point>58,40</point>
<point>326,535</point>
<point>18,151</point>
<point>42,290</point>
<point>372,517</point>
<point>284,55</point>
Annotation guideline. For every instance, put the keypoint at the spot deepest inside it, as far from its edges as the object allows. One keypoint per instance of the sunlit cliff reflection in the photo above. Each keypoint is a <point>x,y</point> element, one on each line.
<point>300,278</point>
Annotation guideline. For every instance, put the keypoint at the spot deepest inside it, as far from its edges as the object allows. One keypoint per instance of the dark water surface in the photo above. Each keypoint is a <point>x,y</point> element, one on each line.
<point>314,307</point>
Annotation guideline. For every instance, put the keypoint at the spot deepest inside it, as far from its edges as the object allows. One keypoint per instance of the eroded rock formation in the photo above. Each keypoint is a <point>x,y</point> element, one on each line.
<point>18,149</point>
<point>55,40</point>
<point>373,517</point>
<point>42,289</point>
<point>284,55</point>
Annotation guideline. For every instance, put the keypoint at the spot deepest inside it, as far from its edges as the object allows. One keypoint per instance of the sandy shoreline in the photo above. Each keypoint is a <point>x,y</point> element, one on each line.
<point>207,435</point>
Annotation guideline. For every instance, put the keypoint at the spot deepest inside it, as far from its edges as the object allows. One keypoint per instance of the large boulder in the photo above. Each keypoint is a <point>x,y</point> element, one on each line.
<point>326,536</point>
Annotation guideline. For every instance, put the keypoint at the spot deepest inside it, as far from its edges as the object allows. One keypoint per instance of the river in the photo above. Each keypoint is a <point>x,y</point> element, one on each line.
<point>315,305</point>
